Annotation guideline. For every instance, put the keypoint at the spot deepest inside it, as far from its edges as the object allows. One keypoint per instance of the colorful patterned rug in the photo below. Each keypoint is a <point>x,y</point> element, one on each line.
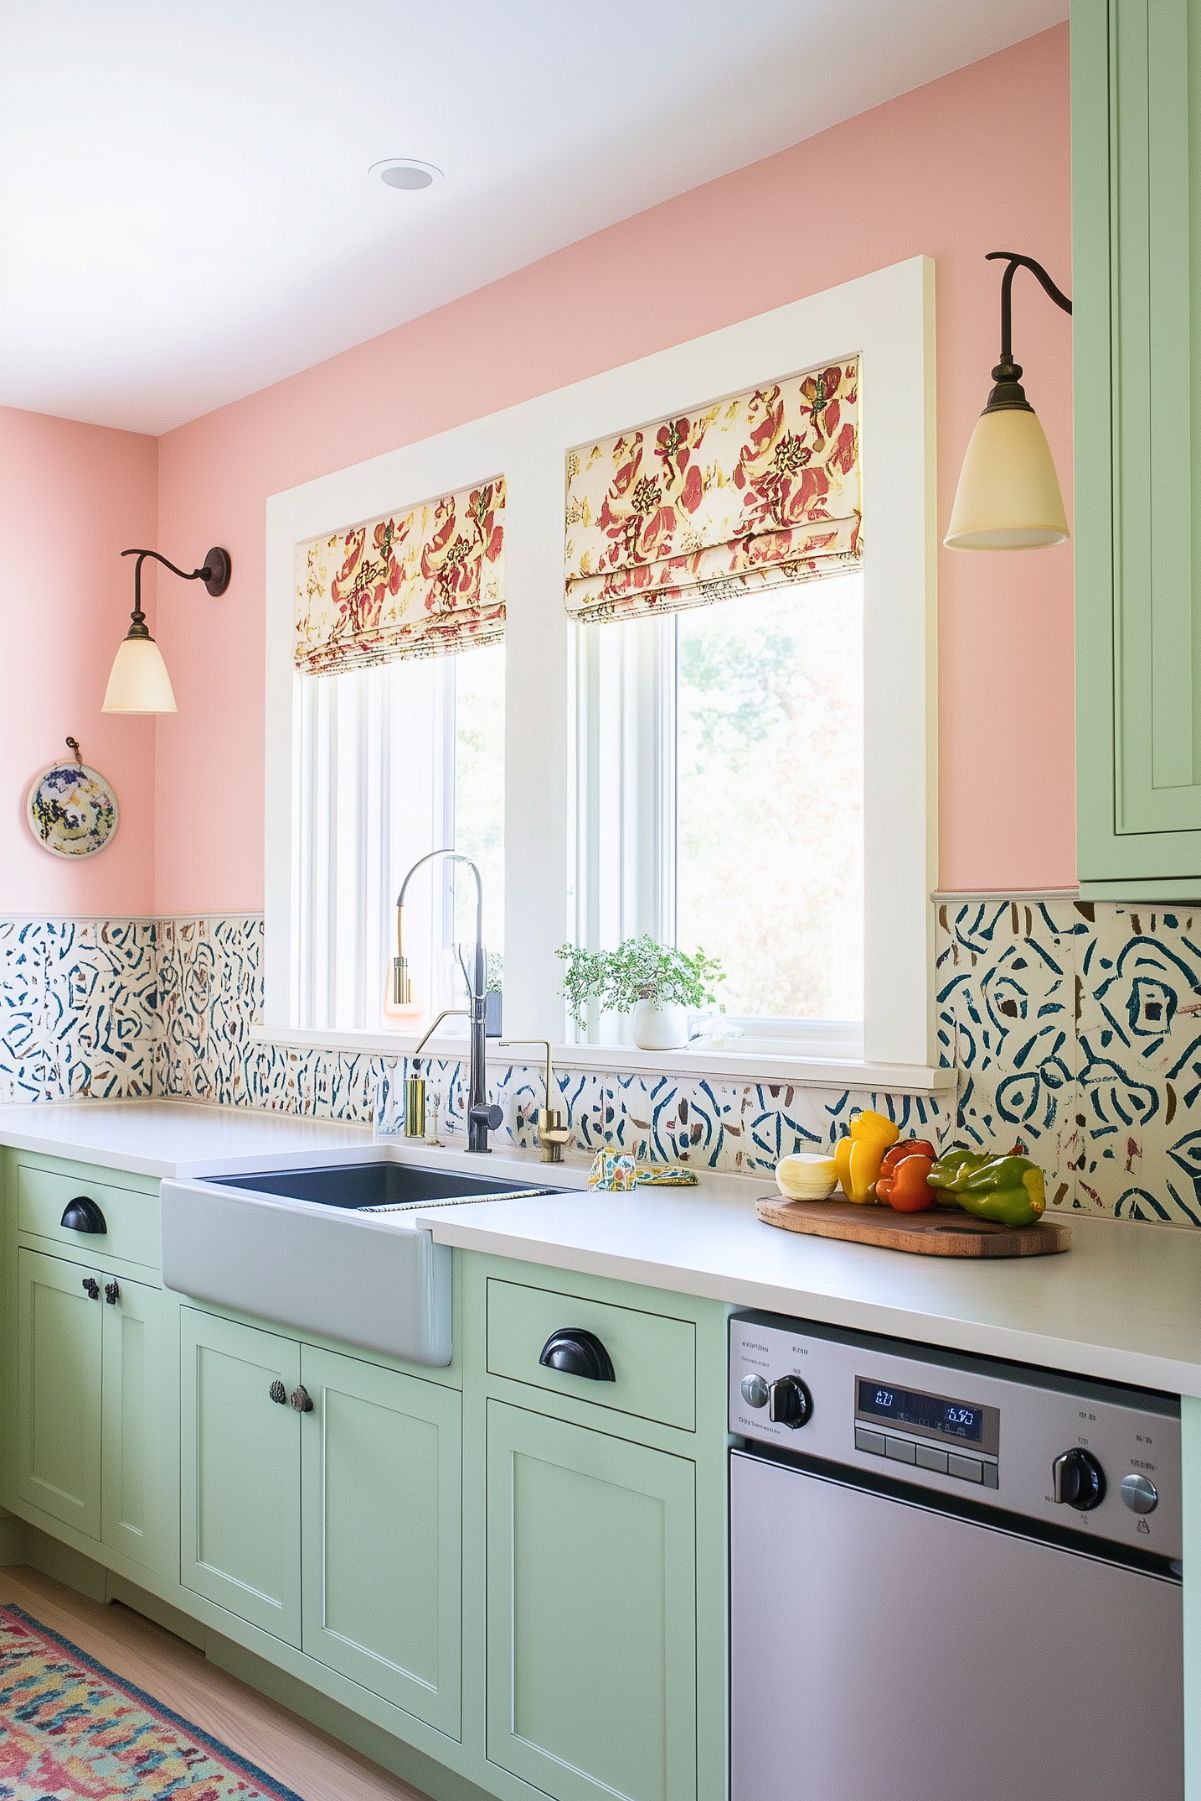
<point>70,1730</point>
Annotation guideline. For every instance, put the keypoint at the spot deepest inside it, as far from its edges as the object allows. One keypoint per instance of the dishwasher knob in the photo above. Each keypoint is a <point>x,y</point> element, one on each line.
<point>789,1403</point>
<point>754,1391</point>
<point>1078,1480</point>
<point>1139,1493</point>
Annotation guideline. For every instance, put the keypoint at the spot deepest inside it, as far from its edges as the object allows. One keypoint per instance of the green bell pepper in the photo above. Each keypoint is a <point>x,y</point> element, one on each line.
<point>1007,1190</point>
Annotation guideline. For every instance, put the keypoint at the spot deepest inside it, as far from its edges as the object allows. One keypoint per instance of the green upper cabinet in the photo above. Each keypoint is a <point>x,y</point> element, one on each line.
<point>1136,205</point>
<point>592,1674</point>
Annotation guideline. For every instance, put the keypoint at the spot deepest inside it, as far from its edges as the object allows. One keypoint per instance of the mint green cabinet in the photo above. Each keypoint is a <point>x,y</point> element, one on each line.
<point>88,1374</point>
<point>132,1474</point>
<point>591,1596</point>
<point>336,1528</point>
<point>1190,1426</point>
<point>240,1471</point>
<point>60,1325</point>
<point>1136,129</point>
<point>380,1487</point>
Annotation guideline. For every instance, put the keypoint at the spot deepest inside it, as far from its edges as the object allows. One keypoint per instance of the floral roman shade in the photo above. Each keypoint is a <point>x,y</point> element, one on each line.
<point>757,490</point>
<point>417,583</point>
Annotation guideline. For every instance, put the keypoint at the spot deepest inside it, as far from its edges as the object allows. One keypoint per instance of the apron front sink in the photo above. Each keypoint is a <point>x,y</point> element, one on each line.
<point>333,1252</point>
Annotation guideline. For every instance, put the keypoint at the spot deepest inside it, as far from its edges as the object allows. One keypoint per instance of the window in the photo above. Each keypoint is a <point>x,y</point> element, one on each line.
<point>393,761</point>
<point>721,754</point>
<point>715,776</point>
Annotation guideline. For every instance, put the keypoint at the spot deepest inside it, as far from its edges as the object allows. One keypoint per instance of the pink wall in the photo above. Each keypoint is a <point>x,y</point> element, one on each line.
<point>974,162</point>
<point>71,498</point>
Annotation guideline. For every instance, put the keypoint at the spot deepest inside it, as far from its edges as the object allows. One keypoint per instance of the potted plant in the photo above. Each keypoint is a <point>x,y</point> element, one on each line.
<point>493,995</point>
<point>655,983</point>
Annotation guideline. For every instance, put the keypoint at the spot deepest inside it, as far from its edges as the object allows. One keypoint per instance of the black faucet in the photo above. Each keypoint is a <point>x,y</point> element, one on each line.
<point>482,1116</point>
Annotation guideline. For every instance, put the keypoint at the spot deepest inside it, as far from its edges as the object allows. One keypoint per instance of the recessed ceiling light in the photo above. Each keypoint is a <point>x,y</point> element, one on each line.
<point>406,172</point>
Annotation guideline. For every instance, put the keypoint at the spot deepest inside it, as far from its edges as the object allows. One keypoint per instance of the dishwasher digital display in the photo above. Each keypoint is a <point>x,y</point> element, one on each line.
<point>928,1413</point>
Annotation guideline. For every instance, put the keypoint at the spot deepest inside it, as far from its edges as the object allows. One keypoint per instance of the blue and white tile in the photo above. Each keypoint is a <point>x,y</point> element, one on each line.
<point>1140,1039</point>
<point>669,1120</point>
<point>1006,995</point>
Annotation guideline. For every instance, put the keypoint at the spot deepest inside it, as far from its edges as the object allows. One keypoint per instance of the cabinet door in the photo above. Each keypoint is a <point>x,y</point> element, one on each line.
<point>1190,1429</point>
<point>240,1471</point>
<point>59,1327</point>
<point>591,1611</point>
<point>380,1459</point>
<point>132,1375</point>
<point>1136,117</point>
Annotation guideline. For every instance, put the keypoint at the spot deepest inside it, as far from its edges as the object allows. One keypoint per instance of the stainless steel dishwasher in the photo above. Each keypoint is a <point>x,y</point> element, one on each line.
<point>951,1579</point>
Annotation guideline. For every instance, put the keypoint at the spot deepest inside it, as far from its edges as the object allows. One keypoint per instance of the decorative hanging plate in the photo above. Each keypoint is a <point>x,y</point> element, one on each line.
<point>71,809</point>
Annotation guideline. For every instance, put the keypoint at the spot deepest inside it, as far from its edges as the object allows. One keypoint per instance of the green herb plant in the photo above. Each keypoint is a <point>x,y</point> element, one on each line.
<point>640,969</point>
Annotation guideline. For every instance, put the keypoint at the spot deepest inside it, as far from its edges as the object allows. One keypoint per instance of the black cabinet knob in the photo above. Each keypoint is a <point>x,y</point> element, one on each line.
<point>301,1400</point>
<point>112,1293</point>
<point>83,1215</point>
<point>91,1288</point>
<point>577,1352</point>
<point>1078,1480</point>
<point>278,1393</point>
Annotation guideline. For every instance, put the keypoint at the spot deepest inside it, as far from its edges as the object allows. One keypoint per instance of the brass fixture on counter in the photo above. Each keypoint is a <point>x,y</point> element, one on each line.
<point>415,1085</point>
<point>552,1121</point>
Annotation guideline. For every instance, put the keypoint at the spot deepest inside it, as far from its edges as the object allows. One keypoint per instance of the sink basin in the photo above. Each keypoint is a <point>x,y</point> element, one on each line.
<point>327,1251</point>
<point>365,1186</point>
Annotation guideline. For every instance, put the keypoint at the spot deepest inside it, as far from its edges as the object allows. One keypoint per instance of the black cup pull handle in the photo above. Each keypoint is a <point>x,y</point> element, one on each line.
<point>83,1215</point>
<point>577,1352</point>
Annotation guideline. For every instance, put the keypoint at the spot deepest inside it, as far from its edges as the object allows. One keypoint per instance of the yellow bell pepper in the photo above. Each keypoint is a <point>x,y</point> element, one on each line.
<point>858,1156</point>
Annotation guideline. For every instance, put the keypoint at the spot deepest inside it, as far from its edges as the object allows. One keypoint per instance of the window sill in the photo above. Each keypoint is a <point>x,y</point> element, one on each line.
<point>725,1064</point>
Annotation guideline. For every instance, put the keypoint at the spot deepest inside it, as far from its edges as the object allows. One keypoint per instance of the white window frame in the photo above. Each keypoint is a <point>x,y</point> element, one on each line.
<point>888,319</point>
<point>637,890</point>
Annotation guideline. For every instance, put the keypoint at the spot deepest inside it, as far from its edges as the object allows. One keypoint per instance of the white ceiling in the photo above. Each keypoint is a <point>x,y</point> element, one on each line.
<point>185,210</point>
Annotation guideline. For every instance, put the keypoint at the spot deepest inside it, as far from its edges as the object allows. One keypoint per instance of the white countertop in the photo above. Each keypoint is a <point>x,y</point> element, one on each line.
<point>176,1138</point>
<point>1124,1304</point>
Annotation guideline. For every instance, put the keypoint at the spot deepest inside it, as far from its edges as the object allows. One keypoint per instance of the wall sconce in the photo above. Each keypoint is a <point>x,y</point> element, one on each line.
<point>139,682</point>
<point>1008,496</point>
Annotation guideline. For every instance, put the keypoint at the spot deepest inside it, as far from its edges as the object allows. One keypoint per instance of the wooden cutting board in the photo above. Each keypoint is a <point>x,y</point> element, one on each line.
<point>941,1232</point>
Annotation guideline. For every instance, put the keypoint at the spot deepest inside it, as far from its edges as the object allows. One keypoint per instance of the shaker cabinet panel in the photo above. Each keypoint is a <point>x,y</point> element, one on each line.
<point>591,1587</point>
<point>240,1471</point>
<point>131,1457</point>
<point>60,1321</point>
<point>382,1554</point>
<point>1136,110</point>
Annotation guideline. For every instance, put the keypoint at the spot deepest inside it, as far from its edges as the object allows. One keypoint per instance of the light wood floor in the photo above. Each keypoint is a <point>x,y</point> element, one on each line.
<point>279,1742</point>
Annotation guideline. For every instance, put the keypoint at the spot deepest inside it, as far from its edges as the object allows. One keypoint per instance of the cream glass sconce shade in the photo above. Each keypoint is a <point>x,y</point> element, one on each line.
<point>1008,496</point>
<point>139,682</point>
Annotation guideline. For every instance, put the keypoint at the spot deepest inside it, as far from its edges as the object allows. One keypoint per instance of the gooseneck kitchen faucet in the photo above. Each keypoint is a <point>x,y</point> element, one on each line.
<point>482,1117</point>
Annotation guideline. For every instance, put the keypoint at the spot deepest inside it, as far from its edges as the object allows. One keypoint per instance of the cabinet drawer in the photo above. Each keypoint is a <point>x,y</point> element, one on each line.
<point>653,1358</point>
<point>130,1218</point>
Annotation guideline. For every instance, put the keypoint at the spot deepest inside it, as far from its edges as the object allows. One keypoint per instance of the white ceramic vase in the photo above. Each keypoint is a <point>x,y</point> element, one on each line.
<point>659,1028</point>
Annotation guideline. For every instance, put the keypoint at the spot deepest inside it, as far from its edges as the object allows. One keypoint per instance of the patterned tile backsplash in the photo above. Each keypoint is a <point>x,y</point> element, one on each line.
<point>1075,1030</point>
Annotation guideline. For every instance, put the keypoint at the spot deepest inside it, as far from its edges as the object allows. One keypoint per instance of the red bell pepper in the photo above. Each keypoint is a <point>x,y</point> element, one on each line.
<point>902,1181</point>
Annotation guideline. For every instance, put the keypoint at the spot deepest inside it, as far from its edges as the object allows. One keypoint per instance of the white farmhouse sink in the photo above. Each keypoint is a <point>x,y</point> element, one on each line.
<point>329,1251</point>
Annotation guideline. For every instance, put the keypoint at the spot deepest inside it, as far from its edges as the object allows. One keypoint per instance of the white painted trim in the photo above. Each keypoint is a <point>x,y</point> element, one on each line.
<point>964,896</point>
<point>888,318</point>
<point>624,1059</point>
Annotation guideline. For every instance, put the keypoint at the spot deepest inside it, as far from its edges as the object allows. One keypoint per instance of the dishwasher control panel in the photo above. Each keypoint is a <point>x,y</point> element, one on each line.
<point>1098,1458</point>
